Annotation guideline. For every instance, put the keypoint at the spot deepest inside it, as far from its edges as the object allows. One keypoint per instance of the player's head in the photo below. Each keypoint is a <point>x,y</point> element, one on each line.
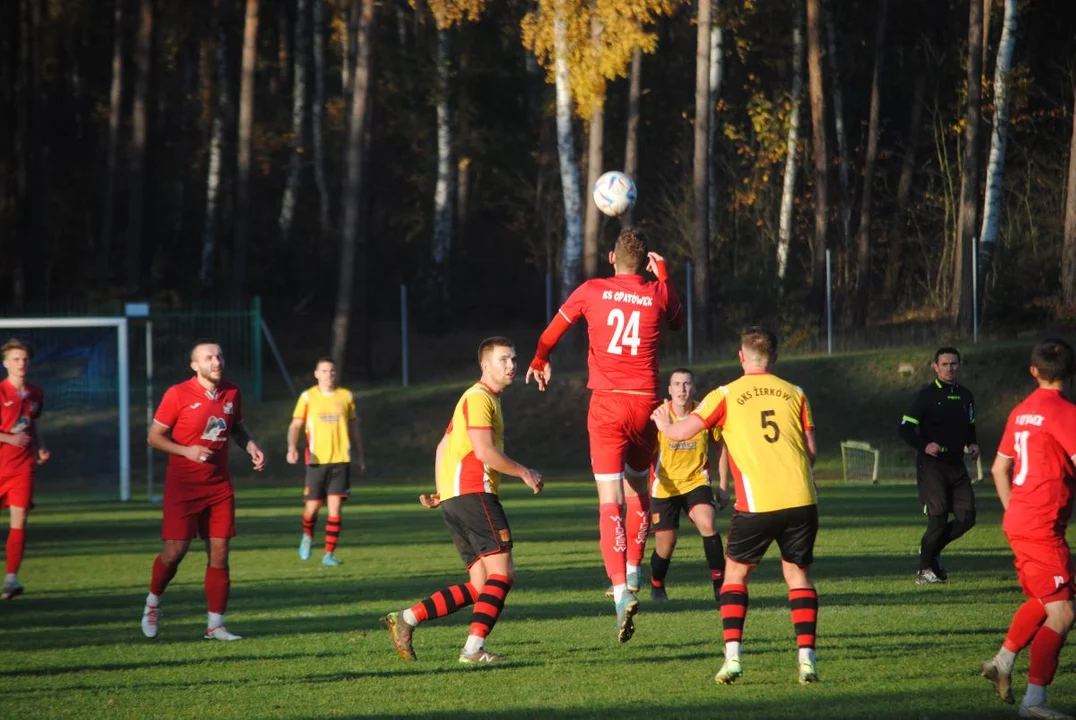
<point>758,348</point>
<point>16,356</point>
<point>325,372</point>
<point>207,359</point>
<point>629,252</point>
<point>946,363</point>
<point>497,357</point>
<point>681,386</point>
<point>1052,361</point>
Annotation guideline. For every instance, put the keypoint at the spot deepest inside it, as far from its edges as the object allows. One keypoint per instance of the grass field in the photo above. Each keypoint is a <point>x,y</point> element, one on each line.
<point>72,646</point>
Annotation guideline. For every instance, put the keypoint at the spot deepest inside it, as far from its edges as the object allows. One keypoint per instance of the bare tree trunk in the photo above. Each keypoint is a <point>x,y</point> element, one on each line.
<point>819,241</point>
<point>594,165</point>
<point>1068,252</point>
<point>863,236</point>
<point>139,123</point>
<point>717,73</point>
<point>115,98</point>
<point>284,47</point>
<point>26,98</point>
<point>572,254</point>
<point>844,166</point>
<point>631,144</point>
<point>317,115</point>
<point>995,168</point>
<point>212,184</point>
<point>961,300</point>
<point>988,5</point>
<point>700,240</point>
<point>353,260</point>
<point>788,191</point>
<point>246,126</point>
<point>298,124</point>
<point>438,292</point>
<point>904,188</point>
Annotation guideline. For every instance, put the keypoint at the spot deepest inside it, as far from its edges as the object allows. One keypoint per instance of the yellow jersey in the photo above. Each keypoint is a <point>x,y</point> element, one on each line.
<point>763,420</point>
<point>681,465</point>
<point>325,418</point>
<point>462,473</point>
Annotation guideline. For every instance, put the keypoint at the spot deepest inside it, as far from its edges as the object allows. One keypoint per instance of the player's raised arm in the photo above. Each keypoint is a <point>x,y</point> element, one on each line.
<point>680,430</point>
<point>674,309</point>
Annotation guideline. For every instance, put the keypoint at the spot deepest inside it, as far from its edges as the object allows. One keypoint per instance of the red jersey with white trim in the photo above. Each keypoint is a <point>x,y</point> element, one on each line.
<point>624,315</point>
<point>1040,437</point>
<point>19,411</point>
<point>198,416</point>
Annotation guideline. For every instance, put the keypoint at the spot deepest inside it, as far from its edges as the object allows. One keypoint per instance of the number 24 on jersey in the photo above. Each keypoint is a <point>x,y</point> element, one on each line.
<point>625,331</point>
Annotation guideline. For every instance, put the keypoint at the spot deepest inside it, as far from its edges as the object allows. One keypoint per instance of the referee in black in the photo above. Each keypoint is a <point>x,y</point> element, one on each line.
<point>940,425</point>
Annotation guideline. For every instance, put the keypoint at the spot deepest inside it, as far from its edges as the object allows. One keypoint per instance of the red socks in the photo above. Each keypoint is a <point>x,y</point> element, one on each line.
<point>733,611</point>
<point>613,542</point>
<point>636,527</point>
<point>804,605</point>
<point>1044,651</point>
<point>332,533</point>
<point>489,605</point>
<point>308,525</point>
<point>162,575</point>
<point>217,585</point>
<point>445,602</point>
<point>16,547</point>
<point>1026,622</point>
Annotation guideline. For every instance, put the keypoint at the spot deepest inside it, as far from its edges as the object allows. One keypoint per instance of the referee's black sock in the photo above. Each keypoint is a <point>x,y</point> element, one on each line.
<point>715,559</point>
<point>659,568</point>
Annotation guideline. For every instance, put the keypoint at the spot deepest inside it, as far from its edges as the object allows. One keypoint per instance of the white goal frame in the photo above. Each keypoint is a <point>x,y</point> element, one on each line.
<point>859,445</point>
<point>123,366</point>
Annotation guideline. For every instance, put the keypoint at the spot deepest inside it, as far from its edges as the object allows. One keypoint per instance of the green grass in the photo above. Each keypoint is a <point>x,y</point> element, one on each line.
<point>72,646</point>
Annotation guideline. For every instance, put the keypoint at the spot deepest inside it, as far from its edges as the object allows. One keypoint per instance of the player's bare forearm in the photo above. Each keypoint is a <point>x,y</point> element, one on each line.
<point>494,458</point>
<point>159,440</point>
<point>355,437</point>
<point>1002,472</point>
<point>293,433</point>
<point>812,448</point>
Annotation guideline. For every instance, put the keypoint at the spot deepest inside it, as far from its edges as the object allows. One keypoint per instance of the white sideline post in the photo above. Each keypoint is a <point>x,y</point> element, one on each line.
<point>124,367</point>
<point>141,310</point>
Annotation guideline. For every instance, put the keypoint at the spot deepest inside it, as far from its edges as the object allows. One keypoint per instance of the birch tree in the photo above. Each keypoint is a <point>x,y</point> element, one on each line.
<point>569,169</point>
<point>246,126</point>
<point>844,166</point>
<point>213,170</point>
<point>960,302</point>
<point>115,97</point>
<point>298,123</point>
<point>595,132</point>
<point>995,167</point>
<point>863,235</point>
<point>700,239</point>
<point>717,73</point>
<point>788,191</point>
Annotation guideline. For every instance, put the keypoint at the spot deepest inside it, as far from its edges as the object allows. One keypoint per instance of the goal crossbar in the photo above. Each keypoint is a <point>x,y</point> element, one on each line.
<point>123,367</point>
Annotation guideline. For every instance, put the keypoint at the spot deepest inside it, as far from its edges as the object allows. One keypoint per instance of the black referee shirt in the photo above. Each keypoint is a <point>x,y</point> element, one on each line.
<point>944,414</point>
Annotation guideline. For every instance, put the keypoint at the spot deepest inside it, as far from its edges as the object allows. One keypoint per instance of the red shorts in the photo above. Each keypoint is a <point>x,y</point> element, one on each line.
<point>1044,567</point>
<point>198,511</point>
<point>17,490</point>
<point>621,432</point>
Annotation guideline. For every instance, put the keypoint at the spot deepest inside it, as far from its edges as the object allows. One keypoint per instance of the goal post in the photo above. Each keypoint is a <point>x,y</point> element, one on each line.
<point>859,461</point>
<point>37,325</point>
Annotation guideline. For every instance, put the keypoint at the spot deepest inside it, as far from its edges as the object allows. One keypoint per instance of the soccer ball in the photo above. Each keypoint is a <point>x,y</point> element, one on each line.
<point>614,193</point>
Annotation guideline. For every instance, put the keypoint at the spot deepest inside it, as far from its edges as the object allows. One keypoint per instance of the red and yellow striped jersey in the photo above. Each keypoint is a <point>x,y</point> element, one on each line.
<point>461,472</point>
<point>681,465</point>
<point>763,420</point>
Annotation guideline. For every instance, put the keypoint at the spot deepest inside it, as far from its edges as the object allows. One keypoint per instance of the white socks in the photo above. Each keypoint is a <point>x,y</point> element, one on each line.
<point>618,592</point>
<point>409,617</point>
<point>732,650</point>
<point>474,644</point>
<point>632,570</point>
<point>215,620</point>
<point>10,578</point>
<point>153,600</point>
<point>1004,660</point>
<point>806,655</point>
<point>1035,695</point>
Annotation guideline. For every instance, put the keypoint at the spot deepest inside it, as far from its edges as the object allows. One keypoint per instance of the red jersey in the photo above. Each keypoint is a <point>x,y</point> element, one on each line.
<point>624,315</point>
<point>1040,437</point>
<point>19,409</point>
<point>198,416</point>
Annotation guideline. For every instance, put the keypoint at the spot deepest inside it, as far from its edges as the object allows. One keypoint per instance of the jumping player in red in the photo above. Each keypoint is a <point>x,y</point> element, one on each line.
<point>624,315</point>
<point>201,414</point>
<point>21,447</point>
<point>1035,475</point>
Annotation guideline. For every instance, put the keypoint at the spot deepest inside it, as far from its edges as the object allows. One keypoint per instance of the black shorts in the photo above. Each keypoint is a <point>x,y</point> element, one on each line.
<point>327,479</point>
<point>665,512</point>
<point>478,525</point>
<point>944,487</point>
<point>794,529</point>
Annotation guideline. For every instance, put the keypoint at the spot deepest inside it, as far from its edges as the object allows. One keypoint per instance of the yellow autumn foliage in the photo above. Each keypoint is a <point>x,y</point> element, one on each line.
<point>450,13</point>
<point>624,26</point>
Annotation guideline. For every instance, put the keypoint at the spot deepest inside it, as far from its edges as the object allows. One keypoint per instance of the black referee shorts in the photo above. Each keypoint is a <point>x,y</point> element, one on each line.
<point>944,487</point>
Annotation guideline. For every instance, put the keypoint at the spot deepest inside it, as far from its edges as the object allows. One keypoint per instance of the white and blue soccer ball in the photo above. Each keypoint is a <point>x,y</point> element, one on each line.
<point>614,193</point>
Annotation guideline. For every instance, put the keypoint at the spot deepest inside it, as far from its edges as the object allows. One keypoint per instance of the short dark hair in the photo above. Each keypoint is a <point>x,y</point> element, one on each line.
<point>1053,358</point>
<point>631,249</point>
<point>947,350</point>
<point>16,344</point>
<point>684,370</point>
<point>324,358</point>
<point>489,343</point>
<point>761,340</point>
<point>203,341</point>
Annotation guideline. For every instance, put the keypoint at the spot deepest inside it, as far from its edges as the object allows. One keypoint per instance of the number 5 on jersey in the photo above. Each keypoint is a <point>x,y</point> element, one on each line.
<point>624,335</point>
